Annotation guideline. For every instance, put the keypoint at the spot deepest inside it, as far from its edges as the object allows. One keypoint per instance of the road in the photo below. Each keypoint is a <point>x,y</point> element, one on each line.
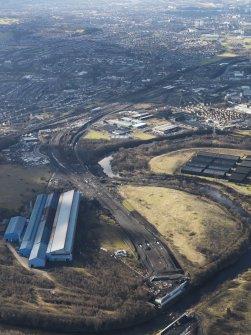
<point>151,251</point>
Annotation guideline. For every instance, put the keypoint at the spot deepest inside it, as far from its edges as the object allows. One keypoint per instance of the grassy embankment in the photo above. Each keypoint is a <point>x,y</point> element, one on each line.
<point>172,162</point>
<point>228,310</point>
<point>197,230</point>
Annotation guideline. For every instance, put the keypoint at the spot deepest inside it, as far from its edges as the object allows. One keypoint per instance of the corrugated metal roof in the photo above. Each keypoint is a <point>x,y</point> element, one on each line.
<point>72,224</point>
<point>55,224</point>
<point>15,229</point>
<point>30,234</point>
<point>64,223</point>
<point>38,255</point>
<point>45,225</point>
<point>38,252</point>
<point>16,225</point>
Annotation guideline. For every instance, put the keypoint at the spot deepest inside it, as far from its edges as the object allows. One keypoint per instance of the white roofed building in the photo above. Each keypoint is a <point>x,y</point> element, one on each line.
<point>63,231</point>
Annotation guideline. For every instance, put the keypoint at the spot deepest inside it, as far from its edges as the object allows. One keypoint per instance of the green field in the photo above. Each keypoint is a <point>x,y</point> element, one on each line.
<point>143,136</point>
<point>96,135</point>
<point>195,228</point>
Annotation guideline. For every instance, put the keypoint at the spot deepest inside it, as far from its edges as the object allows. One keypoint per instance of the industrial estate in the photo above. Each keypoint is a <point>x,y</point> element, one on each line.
<point>125,167</point>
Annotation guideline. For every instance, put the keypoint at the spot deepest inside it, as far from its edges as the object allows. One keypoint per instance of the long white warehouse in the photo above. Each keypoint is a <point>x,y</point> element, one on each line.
<point>64,226</point>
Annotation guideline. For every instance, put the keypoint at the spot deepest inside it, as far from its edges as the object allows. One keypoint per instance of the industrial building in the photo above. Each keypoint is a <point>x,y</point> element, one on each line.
<point>242,171</point>
<point>31,231</point>
<point>209,164</point>
<point>15,229</point>
<point>237,177</point>
<point>38,252</point>
<point>63,231</point>
<point>50,231</point>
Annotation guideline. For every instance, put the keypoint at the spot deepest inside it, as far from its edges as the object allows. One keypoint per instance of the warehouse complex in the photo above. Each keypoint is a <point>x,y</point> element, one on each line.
<point>50,232</point>
<point>208,164</point>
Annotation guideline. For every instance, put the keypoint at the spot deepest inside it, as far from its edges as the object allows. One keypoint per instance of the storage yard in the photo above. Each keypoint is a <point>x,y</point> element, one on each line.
<point>49,233</point>
<point>230,167</point>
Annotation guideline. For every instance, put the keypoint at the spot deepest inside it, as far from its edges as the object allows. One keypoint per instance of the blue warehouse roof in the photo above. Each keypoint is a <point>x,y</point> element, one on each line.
<point>38,252</point>
<point>31,231</point>
<point>15,229</point>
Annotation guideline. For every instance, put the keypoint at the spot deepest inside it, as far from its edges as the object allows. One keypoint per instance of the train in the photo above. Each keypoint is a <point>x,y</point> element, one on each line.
<point>171,296</point>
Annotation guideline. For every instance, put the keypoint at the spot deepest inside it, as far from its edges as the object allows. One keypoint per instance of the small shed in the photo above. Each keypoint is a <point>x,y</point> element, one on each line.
<point>15,229</point>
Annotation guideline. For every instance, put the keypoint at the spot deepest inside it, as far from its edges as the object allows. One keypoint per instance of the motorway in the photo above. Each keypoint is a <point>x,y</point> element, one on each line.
<point>152,252</point>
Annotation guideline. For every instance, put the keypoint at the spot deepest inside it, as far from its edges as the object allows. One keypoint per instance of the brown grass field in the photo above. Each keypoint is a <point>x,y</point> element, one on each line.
<point>197,230</point>
<point>20,184</point>
<point>228,310</point>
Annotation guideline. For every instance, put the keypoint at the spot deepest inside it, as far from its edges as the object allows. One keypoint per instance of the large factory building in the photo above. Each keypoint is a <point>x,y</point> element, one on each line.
<point>51,229</point>
<point>31,231</point>
<point>38,252</point>
<point>62,237</point>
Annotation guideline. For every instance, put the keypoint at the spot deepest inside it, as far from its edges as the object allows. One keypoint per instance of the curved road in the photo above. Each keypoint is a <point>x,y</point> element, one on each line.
<point>153,254</point>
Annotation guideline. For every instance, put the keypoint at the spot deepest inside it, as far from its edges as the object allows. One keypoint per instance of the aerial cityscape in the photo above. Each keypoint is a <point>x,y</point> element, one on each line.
<point>125,167</point>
